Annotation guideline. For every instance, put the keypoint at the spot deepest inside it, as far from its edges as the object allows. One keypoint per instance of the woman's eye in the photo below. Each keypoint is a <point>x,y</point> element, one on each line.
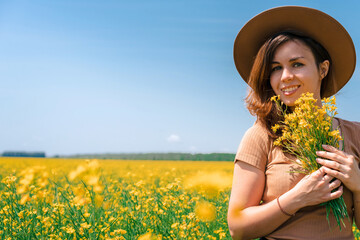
<point>275,68</point>
<point>297,64</point>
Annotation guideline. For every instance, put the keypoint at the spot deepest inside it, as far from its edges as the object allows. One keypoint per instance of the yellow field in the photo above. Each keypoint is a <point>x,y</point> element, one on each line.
<point>114,199</point>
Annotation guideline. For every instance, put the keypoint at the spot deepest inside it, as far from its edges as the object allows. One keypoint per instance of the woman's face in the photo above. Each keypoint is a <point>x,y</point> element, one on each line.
<point>294,71</point>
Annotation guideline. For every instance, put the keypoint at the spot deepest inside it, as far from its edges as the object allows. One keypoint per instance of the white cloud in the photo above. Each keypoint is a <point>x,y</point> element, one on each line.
<point>173,138</point>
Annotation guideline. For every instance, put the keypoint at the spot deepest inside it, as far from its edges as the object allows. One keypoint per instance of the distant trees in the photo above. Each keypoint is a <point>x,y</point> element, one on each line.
<point>161,156</point>
<point>23,154</point>
<point>133,156</point>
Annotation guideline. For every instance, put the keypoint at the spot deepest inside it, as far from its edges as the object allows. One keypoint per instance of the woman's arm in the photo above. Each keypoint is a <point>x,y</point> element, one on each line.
<point>247,219</point>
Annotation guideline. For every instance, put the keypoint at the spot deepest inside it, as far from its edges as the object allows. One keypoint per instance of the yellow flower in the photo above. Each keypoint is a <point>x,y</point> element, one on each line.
<point>74,174</point>
<point>304,130</point>
<point>97,188</point>
<point>149,236</point>
<point>326,100</point>
<point>70,230</point>
<point>205,211</point>
<point>303,123</point>
<point>25,199</point>
<point>120,231</point>
<point>209,183</point>
<point>22,189</point>
<point>93,164</point>
<point>98,200</point>
<point>275,98</point>
<point>174,225</point>
<point>275,128</point>
<point>333,100</point>
<point>85,225</point>
<point>334,133</point>
<point>21,214</point>
<point>92,180</point>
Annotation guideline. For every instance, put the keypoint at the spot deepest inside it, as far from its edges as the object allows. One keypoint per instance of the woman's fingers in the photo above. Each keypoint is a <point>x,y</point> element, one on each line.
<point>333,173</point>
<point>319,187</point>
<point>334,154</point>
<point>318,174</point>
<point>334,150</point>
<point>333,157</point>
<point>340,165</point>
<point>330,186</point>
<point>337,193</point>
<point>327,178</point>
<point>330,164</point>
<point>335,184</point>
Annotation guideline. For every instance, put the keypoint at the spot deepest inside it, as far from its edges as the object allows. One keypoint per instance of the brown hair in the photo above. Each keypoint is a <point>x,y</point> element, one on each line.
<point>258,99</point>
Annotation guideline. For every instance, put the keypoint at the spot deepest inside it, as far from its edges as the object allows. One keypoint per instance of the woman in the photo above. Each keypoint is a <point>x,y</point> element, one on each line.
<point>288,51</point>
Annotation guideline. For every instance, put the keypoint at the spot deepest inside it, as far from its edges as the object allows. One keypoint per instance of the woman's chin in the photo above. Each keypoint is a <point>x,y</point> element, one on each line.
<point>290,105</point>
<point>289,102</point>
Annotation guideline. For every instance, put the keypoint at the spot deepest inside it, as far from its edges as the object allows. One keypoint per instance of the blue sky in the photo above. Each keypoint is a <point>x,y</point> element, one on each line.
<point>133,76</point>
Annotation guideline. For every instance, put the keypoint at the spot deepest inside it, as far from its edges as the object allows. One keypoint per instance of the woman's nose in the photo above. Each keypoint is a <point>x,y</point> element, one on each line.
<point>287,75</point>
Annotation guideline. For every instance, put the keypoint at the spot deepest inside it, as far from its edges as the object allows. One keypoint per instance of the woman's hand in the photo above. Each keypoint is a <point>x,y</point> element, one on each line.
<point>340,165</point>
<point>317,188</point>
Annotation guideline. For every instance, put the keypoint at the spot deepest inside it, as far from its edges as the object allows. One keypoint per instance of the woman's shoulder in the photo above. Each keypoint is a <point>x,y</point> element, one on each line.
<point>258,130</point>
<point>256,137</point>
<point>350,131</point>
<point>351,127</point>
<point>254,146</point>
<point>347,123</point>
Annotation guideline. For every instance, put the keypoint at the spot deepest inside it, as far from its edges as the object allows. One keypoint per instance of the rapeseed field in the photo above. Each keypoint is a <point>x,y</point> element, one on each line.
<point>114,199</point>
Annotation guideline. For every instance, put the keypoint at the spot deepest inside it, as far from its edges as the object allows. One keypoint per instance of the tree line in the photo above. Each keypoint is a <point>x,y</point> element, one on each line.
<point>159,156</point>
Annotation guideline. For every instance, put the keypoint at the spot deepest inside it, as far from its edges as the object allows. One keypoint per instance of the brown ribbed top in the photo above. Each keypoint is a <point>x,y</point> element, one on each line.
<point>256,148</point>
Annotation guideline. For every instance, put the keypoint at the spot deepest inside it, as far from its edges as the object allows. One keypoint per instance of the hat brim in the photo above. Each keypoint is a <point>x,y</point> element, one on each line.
<point>312,23</point>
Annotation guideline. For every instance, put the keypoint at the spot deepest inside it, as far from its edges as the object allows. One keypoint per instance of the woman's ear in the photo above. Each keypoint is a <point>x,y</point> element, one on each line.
<point>324,68</point>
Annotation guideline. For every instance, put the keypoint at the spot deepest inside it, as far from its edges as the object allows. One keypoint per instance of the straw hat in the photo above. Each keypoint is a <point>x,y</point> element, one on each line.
<point>312,23</point>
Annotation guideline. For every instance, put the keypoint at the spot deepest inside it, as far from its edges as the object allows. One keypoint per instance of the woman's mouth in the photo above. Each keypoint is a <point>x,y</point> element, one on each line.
<point>289,90</point>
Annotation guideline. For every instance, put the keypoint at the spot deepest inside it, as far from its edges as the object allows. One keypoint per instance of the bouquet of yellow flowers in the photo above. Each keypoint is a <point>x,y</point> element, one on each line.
<point>304,131</point>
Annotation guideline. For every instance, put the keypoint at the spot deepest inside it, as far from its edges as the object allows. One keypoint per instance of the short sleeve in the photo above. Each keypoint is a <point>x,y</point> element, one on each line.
<point>254,147</point>
<point>351,134</point>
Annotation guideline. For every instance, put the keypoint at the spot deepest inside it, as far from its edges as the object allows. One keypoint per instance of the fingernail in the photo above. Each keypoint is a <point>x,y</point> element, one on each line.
<point>318,159</point>
<point>325,146</point>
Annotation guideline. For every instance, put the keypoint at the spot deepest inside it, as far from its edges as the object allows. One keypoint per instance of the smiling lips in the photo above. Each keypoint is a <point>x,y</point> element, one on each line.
<point>289,90</point>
